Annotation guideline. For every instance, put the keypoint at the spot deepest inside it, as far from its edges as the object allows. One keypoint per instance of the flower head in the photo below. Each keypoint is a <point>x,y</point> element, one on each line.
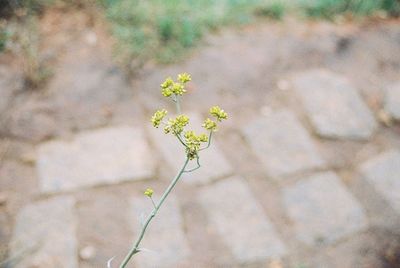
<point>210,125</point>
<point>178,89</point>
<point>193,143</point>
<point>218,113</point>
<point>169,86</point>
<point>167,83</point>
<point>184,77</point>
<point>149,192</point>
<point>177,124</point>
<point>158,116</point>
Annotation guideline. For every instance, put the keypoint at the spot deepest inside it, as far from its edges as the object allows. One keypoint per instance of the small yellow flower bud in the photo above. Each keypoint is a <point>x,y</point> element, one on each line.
<point>167,83</point>
<point>210,125</point>
<point>218,113</point>
<point>149,192</point>
<point>203,138</point>
<point>158,117</point>
<point>184,77</point>
<point>166,92</point>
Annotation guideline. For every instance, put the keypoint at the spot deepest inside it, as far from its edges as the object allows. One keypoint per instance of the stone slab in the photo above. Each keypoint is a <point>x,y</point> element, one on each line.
<point>104,156</point>
<point>392,100</point>
<point>333,105</point>
<point>214,165</point>
<point>322,209</point>
<point>165,239</point>
<point>383,173</point>
<point>45,235</point>
<point>240,221</point>
<point>282,144</point>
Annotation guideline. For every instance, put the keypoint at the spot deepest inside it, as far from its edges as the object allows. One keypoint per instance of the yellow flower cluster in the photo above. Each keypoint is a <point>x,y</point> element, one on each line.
<point>169,86</point>
<point>210,125</point>
<point>177,124</point>
<point>149,192</point>
<point>158,116</point>
<point>193,143</point>
<point>219,114</point>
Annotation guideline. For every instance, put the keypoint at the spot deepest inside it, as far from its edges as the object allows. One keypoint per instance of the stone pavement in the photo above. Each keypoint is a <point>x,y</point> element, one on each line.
<point>87,202</point>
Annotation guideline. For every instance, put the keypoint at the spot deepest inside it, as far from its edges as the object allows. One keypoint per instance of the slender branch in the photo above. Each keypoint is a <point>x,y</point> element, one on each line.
<point>177,104</point>
<point>193,169</point>
<point>209,141</point>
<point>135,249</point>
<point>152,201</point>
<point>180,139</point>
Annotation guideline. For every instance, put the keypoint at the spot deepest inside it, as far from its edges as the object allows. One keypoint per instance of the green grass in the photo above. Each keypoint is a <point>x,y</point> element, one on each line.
<point>328,9</point>
<point>165,29</point>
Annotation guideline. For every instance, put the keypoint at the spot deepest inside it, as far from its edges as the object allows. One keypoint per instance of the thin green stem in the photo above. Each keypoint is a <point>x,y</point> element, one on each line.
<point>193,169</point>
<point>180,139</point>
<point>177,104</point>
<point>135,249</point>
<point>152,201</point>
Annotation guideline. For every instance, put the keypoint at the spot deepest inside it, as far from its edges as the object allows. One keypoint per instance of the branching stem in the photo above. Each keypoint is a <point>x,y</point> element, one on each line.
<point>135,249</point>
<point>193,169</point>
<point>177,104</point>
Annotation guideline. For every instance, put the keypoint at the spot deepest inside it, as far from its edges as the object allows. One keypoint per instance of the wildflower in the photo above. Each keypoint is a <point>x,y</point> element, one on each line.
<point>178,89</point>
<point>218,113</point>
<point>166,87</point>
<point>149,192</point>
<point>210,125</point>
<point>158,117</point>
<point>184,78</point>
<point>193,143</point>
<point>176,125</point>
<point>166,92</point>
<point>167,83</point>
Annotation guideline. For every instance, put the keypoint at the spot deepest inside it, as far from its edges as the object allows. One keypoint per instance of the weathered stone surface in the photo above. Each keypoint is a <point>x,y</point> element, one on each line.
<point>104,156</point>
<point>10,84</point>
<point>240,221</point>
<point>282,144</point>
<point>32,121</point>
<point>392,100</point>
<point>84,92</point>
<point>213,163</point>
<point>322,209</point>
<point>45,235</point>
<point>333,105</point>
<point>383,173</point>
<point>165,239</point>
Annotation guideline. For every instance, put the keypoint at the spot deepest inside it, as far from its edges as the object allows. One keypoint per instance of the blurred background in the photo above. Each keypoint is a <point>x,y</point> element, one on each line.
<point>305,173</point>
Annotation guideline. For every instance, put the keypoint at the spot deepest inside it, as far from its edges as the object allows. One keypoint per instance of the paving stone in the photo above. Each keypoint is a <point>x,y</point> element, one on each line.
<point>45,235</point>
<point>240,221</point>
<point>104,156</point>
<point>213,163</point>
<point>282,144</point>
<point>322,209</point>
<point>383,173</point>
<point>165,239</point>
<point>392,100</point>
<point>84,92</point>
<point>333,105</point>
